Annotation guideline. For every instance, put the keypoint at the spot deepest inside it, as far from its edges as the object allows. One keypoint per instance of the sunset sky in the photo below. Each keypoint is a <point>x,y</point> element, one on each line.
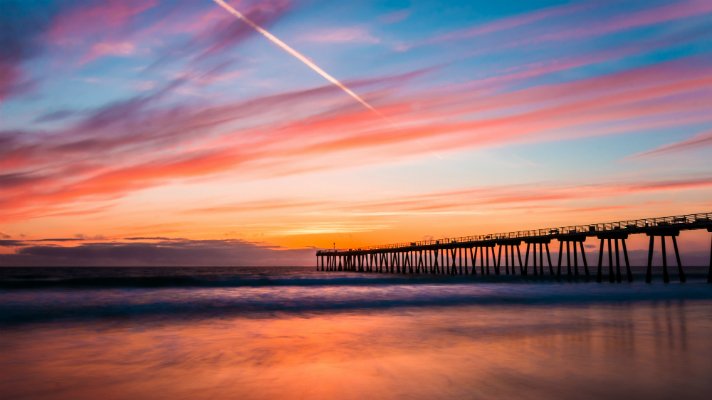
<point>139,131</point>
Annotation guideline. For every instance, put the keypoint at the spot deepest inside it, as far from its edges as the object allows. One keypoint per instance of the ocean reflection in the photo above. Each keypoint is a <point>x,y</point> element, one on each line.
<point>651,350</point>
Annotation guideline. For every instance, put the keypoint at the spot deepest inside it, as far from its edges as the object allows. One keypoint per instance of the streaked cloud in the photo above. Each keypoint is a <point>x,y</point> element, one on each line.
<point>641,18</point>
<point>509,23</point>
<point>525,116</point>
<point>696,142</point>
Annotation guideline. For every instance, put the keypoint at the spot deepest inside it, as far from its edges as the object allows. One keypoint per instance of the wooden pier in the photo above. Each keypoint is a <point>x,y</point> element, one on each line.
<point>497,254</point>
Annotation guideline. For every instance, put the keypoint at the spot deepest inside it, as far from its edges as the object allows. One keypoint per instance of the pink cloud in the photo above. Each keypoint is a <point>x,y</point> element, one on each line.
<point>562,197</point>
<point>600,104</point>
<point>395,16</point>
<point>95,29</point>
<point>217,31</point>
<point>102,49</point>
<point>128,131</point>
<point>515,195</point>
<point>642,18</point>
<point>95,19</point>
<point>12,80</point>
<point>117,27</point>
<point>620,23</point>
<point>507,23</point>
<point>549,66</point>
<point>341,35</point>
<point>260,205</point>
<point>696,142</point>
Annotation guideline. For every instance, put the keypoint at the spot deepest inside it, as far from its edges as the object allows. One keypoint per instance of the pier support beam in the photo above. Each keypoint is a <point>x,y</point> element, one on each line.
<point>663,233</point>
<point>486,252</point>
<point>709,272</point>
<point>511,251</point>
<point>464,260</point>
<point>436,265</point>
<point>572,241</point>
<point>453,263</point>
<point>473,259</point>
<point>616,242</point>
<point>541,243</point>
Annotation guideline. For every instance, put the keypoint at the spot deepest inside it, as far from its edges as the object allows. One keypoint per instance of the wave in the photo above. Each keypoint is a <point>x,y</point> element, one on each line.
<point>98,278</point>
<point>52,305</point>
<point>187,281</point>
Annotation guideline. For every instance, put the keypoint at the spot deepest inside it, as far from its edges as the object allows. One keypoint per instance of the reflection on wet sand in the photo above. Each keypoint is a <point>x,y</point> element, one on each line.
<point>652,350</point>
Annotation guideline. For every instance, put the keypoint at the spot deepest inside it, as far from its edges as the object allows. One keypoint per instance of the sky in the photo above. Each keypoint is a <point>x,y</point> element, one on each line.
<point>138,132</point>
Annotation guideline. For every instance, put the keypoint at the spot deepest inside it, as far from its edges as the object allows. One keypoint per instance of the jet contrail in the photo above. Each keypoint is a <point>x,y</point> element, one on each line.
<point>294,53</point>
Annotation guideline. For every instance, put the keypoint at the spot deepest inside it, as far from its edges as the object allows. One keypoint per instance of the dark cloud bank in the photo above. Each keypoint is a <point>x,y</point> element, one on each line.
<point>176,252</point>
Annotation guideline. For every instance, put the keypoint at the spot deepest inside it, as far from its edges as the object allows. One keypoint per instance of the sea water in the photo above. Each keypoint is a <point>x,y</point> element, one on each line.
<point>295,333</point>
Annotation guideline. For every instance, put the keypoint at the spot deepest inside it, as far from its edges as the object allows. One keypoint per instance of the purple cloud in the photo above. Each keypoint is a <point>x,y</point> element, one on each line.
<point>55,116</point>
<point>21,27</point>
<point>10,243</point>
<point>176,252</point>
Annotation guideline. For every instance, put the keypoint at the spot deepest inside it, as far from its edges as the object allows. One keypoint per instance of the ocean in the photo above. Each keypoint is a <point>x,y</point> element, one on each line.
<point>295,333</point>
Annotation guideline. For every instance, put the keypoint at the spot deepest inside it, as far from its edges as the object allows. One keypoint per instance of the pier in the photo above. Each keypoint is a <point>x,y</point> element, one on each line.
<point>501,253</point>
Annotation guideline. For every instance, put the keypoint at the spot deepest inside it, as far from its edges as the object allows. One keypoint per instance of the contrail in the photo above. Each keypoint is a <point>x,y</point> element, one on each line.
<point>294,53</point>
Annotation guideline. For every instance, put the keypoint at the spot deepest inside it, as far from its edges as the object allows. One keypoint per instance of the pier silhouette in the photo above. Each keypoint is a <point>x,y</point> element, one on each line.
<point>497,254</point>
